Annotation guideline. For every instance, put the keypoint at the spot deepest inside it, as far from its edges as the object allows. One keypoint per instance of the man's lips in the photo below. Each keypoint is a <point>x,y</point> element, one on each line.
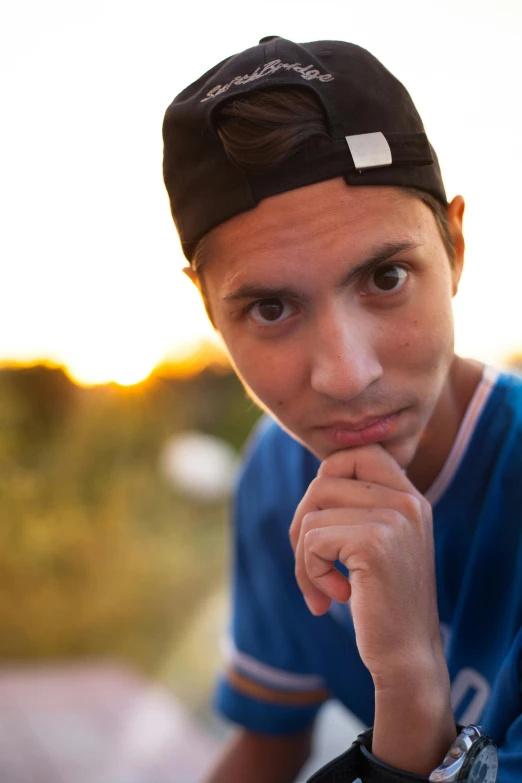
<point>362,433</point>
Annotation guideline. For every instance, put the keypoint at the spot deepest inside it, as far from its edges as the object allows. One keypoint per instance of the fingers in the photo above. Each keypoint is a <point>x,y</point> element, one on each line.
<point>328,491</point>
<point>321,547</point>
<point>358,493</point>
<point>327,536</point>
<point>367,463</point>
<point>319,580</point>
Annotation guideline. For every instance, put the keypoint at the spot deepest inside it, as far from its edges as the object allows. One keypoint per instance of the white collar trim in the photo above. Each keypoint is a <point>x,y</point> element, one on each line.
<point>466,430</point>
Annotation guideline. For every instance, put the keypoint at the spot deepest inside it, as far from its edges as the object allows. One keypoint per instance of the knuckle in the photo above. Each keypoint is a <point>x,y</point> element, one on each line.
<point>311,538</point>
<point>377,538</point>
<point>308,522</point>
<point>425,507</point>
<point>411,506</point>
<point>390,516</point>
<point>326,467</point>
<point>300,572</point>
<point>336,462</point>
<point>316,485</point>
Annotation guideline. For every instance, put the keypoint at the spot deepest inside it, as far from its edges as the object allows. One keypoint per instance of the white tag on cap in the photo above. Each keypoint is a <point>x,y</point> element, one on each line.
<point>369,150</point>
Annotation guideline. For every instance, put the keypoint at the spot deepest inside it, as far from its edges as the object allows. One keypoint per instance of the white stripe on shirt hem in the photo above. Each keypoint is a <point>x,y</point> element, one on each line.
<point>268,675</point>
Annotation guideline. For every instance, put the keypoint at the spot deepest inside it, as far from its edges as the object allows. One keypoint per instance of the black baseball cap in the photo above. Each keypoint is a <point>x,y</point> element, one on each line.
<point>377,135</point>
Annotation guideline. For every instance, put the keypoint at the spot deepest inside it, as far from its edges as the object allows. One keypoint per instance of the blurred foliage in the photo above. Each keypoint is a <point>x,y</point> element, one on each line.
<point>100,555</point>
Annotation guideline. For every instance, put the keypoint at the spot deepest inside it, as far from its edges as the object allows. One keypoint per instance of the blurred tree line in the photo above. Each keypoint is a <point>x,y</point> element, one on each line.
<point>100,556</point>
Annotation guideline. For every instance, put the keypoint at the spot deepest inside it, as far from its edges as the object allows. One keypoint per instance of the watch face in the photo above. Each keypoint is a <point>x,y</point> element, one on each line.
<point>484,767</point>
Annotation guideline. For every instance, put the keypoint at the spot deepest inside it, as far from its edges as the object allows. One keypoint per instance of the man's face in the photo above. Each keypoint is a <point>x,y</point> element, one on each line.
<point>334,303</point>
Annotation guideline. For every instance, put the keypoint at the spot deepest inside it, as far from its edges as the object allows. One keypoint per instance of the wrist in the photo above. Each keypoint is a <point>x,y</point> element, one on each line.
<point>414,724</point>
<point>414,672</point>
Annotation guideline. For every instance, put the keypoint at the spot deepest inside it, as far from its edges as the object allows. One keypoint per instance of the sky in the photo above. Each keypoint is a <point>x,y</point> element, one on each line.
<point>90,263</point>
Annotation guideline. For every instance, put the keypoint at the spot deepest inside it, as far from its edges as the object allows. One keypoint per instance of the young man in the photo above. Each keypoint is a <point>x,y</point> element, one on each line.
<point>378,516</point>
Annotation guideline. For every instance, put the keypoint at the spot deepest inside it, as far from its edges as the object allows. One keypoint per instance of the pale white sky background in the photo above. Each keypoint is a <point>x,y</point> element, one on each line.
<point>89,259</point>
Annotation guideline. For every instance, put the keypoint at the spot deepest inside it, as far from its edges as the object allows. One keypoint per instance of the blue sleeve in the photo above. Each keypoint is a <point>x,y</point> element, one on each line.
<point>271,682</point>
<point>503,716</point>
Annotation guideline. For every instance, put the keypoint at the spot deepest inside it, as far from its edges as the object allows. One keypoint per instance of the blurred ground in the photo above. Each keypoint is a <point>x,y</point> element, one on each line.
<point>103,723</point>
<point>95,724</point>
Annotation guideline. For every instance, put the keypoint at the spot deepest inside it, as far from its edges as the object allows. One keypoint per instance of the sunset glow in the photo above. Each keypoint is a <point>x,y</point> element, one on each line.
<point>127,370</point>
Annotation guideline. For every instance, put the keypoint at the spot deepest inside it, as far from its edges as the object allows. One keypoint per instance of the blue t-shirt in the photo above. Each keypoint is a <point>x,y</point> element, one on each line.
<point>283,663</point>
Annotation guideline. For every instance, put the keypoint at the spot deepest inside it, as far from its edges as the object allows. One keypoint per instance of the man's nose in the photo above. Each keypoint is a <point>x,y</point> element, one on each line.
<point>344,360</point>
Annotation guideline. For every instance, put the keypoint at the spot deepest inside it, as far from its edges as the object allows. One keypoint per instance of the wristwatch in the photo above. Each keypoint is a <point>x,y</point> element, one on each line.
<point>472,758</point>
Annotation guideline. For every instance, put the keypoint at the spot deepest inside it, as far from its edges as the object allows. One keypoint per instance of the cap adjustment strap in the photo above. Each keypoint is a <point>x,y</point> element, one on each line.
<point>369,150</point>
<point>373,150</point>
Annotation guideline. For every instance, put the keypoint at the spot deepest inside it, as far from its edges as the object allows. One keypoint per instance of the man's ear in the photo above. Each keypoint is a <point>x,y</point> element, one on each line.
<point>455,212</point>
<point>192,275</point>
<point>197,279</point>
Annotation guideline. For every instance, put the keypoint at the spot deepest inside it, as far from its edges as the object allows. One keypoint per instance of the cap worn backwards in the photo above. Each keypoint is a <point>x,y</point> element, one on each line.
<point>377,136</point>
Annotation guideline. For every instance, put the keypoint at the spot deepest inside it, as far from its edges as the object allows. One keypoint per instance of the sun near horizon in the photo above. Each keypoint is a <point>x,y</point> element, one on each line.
<point>185,363</point>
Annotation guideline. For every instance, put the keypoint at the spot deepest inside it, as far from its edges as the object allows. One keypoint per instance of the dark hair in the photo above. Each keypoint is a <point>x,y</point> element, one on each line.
<point>263,128</point>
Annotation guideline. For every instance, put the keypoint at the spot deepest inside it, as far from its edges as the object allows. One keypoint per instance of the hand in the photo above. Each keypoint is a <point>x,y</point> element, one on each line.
<point>363,511</point>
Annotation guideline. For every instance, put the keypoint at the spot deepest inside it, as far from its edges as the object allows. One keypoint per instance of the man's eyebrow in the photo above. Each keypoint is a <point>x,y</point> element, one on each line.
<point>378,256</point>
<point>258,291</point>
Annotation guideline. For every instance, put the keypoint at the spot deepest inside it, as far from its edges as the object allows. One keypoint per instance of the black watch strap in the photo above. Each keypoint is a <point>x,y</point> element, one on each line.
<point>358,762</point>
<point>343,768</point>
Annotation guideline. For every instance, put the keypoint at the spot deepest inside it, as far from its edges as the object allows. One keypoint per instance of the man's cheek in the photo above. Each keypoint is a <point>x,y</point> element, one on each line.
<point>425,343</point>
<point>268,371</point>
<point>263,382</point>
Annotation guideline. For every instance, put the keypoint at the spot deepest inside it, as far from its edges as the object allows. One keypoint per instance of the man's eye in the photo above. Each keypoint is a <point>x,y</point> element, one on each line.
<point>387,278</point>
<point>270,310</point>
